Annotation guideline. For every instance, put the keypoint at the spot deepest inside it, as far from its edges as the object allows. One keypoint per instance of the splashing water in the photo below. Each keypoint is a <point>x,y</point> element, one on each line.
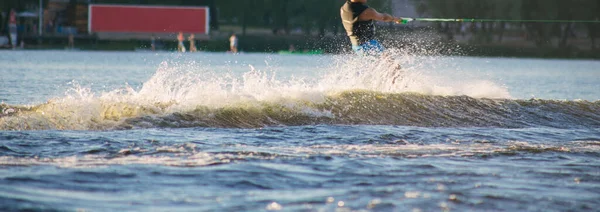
<point>179,84</point>
<point>193,90</point>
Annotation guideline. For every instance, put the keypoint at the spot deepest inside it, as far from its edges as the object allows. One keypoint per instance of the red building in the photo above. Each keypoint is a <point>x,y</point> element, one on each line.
<point>109,21</point>
<point>140,21</point>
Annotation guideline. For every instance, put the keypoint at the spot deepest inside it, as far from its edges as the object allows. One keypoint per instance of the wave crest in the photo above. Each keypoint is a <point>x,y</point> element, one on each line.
<point>357,107</point>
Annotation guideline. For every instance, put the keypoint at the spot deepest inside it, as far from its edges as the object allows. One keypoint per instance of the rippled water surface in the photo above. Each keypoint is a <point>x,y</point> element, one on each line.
<point>140,131</point>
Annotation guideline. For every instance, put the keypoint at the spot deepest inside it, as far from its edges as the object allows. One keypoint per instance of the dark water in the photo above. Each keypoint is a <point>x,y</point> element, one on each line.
<point>346,108</point>
<point>296,133</point>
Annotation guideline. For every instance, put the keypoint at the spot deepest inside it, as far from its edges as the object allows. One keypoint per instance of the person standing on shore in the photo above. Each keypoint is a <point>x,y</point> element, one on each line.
<point>71,41</point>
<point>358,20</point>
<point>153,42</point>
<point>192,40</point>
<point>180,39</point>
<point>12,28</point>
<point>233,43</point>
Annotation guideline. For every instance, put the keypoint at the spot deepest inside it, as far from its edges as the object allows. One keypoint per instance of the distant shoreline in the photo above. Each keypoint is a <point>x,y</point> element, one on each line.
<point>326,45</point>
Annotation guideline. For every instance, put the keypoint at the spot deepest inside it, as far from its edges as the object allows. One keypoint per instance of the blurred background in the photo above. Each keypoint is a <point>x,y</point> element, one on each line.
<point>275,25</point>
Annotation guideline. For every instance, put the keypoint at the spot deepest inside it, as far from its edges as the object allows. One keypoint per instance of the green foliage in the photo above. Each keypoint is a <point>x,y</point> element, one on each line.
<point>539,33</point>
<point>283,16</point>
<point>280,15</point>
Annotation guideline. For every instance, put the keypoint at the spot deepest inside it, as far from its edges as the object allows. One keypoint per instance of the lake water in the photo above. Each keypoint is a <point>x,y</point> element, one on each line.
<point>144,131</point>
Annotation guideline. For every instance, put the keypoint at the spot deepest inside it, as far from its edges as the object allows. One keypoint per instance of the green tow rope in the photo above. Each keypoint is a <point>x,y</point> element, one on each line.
<point>406,20</point>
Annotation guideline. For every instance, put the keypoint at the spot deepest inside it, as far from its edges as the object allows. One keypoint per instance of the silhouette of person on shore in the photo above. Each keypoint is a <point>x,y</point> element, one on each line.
<point>233,43</point>
<point>71,41</point>
<point>192,41</point>
<point>180,39</point>
<point>153,42</point>
<point>12,28</point>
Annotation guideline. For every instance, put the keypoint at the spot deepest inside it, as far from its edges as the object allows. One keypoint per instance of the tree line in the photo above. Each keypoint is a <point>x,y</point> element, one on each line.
<point>538,32</point>
<point>279,16</point>
<point>322,16</point>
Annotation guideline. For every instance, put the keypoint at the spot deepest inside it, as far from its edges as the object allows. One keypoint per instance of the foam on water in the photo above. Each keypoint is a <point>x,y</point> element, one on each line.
<point>178,88</point>
<point>376,74</point>
<point>193,84</point>
<point>188,155</point>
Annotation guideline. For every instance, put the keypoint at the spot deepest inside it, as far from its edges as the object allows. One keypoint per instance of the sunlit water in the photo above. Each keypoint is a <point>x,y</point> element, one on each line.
<point>115,131</point>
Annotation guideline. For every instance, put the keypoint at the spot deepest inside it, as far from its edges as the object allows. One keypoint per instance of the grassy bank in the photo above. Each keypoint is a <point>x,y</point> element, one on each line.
<point>329,44</point>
